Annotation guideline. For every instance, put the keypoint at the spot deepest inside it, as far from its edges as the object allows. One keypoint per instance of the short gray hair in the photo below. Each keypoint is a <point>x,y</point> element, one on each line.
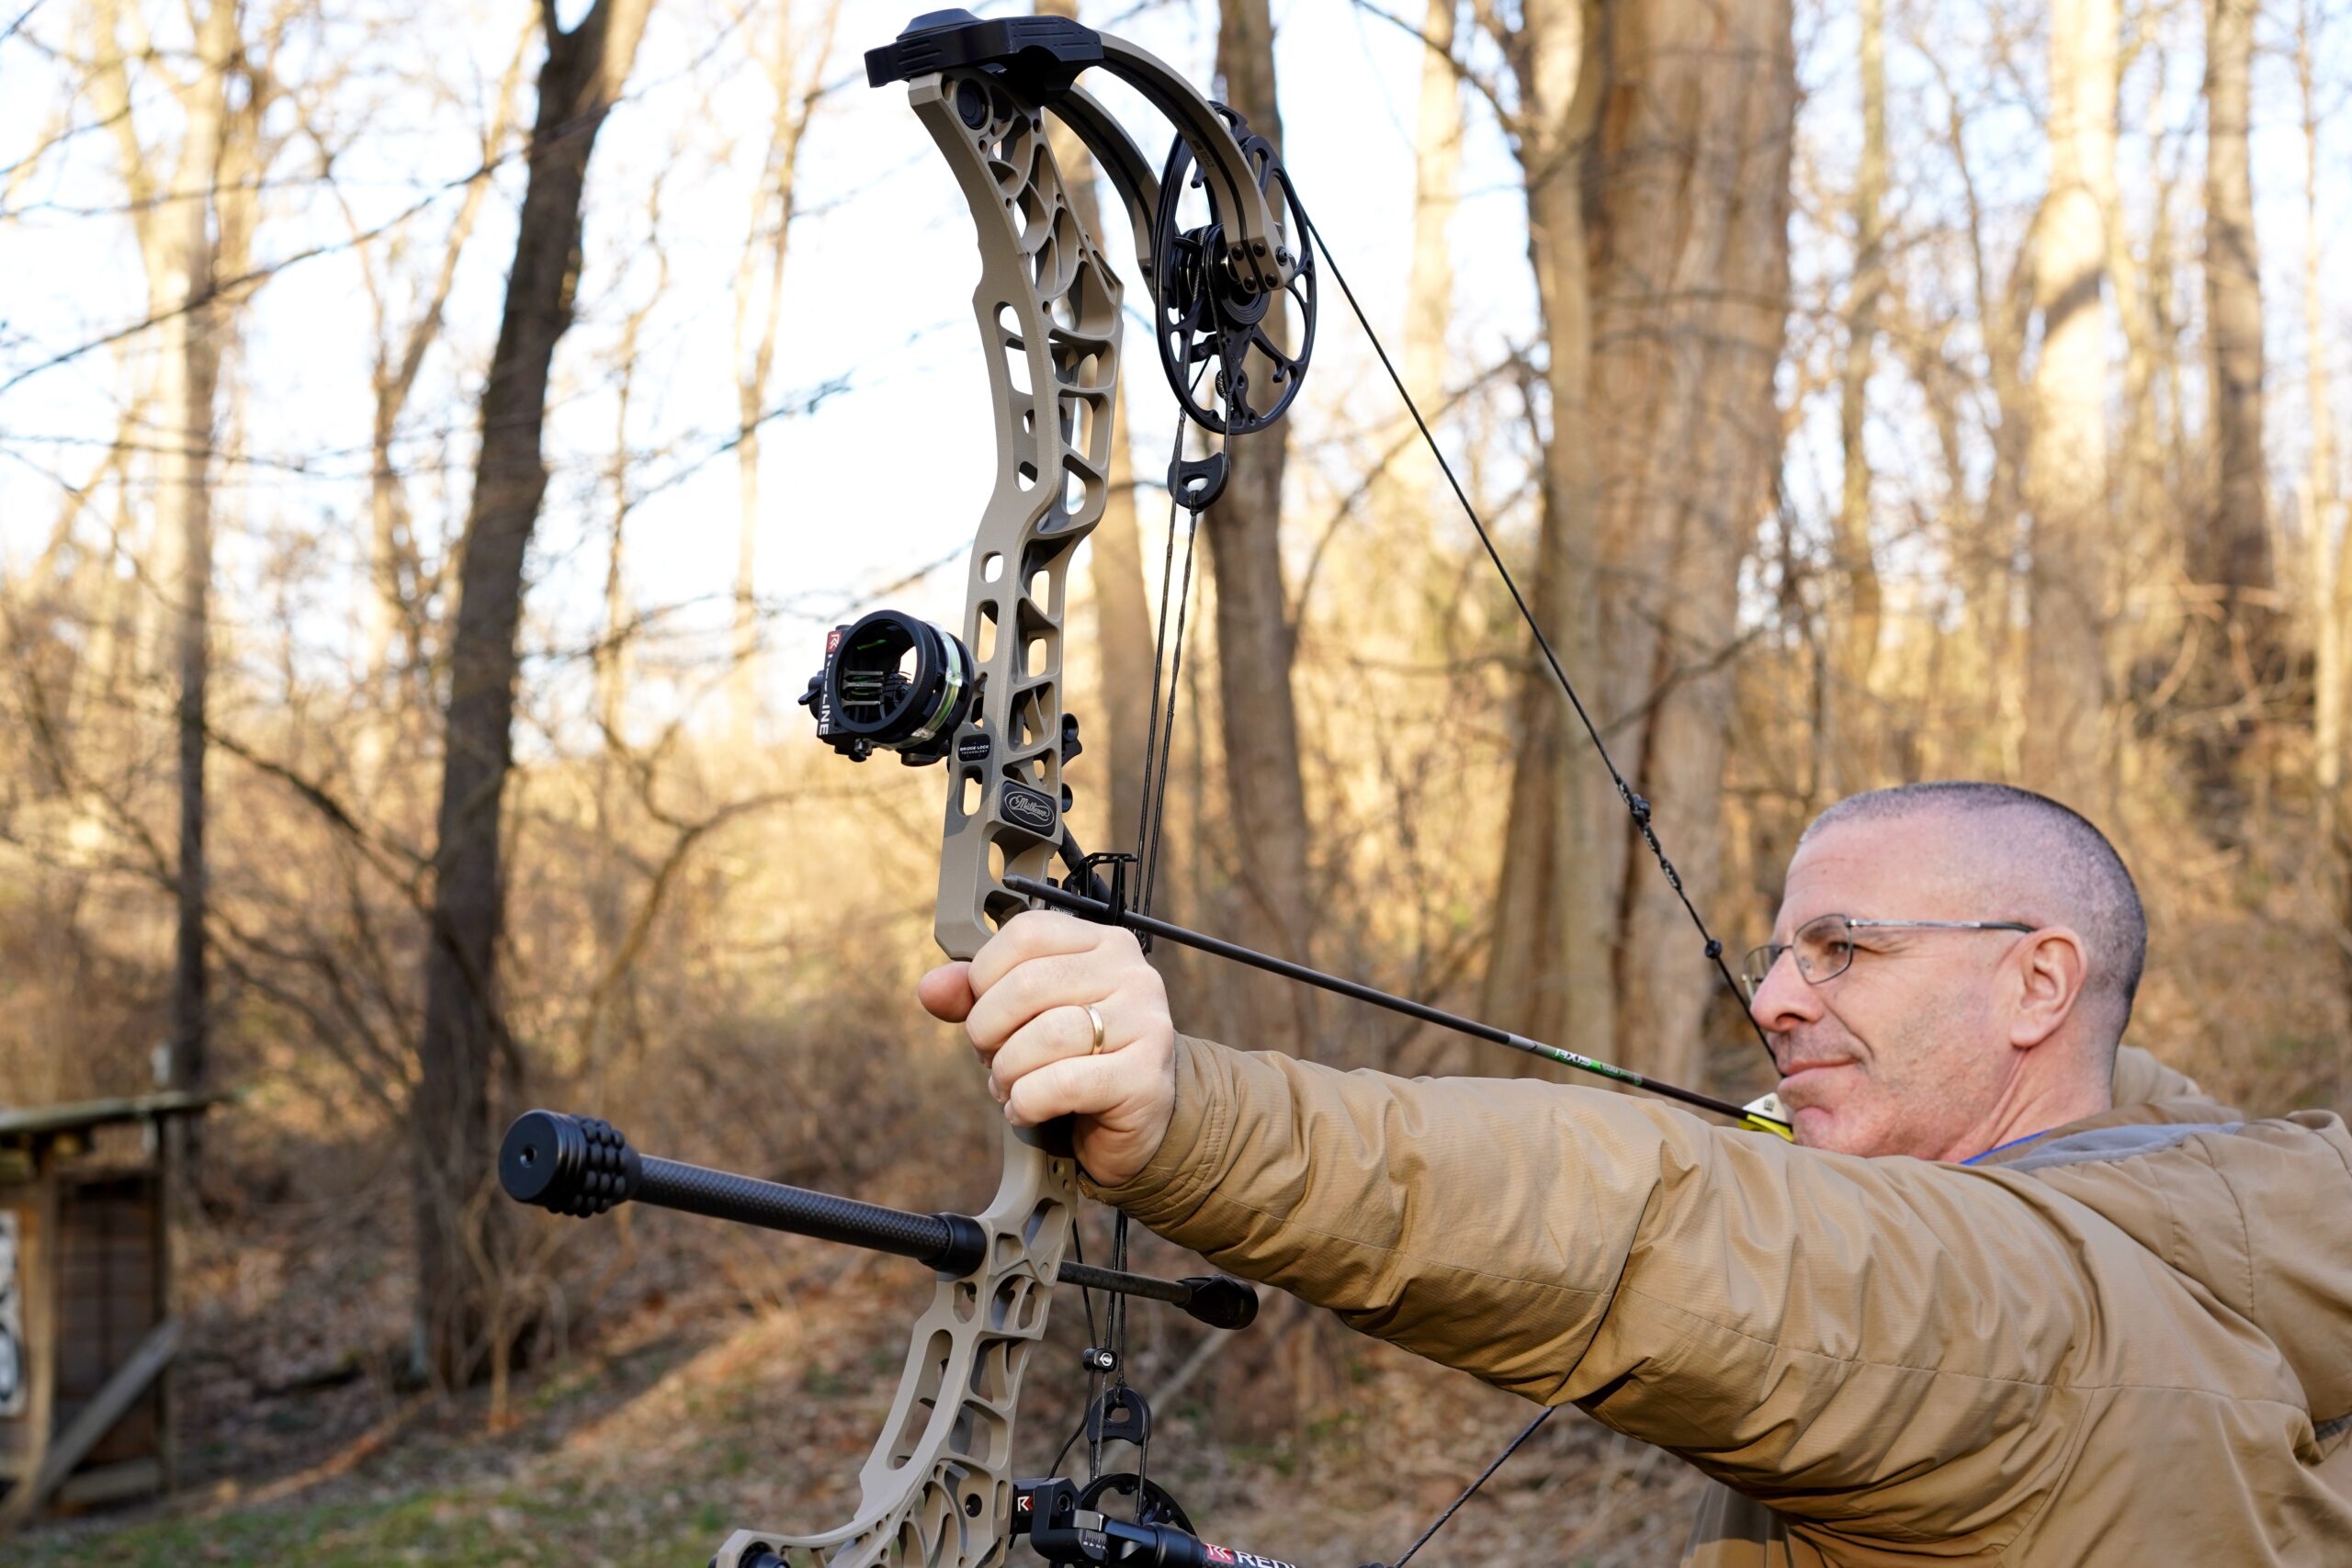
<point>2095,882</point>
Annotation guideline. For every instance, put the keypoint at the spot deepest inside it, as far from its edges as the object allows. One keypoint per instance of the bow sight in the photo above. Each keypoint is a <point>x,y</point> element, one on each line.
<point>894,682</point>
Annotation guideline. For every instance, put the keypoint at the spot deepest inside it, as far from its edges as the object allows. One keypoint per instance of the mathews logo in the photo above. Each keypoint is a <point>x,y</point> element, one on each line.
<point>1026,807</point>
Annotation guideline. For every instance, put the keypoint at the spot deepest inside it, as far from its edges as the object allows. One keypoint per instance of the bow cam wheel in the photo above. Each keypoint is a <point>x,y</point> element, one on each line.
<point>1235,354</point>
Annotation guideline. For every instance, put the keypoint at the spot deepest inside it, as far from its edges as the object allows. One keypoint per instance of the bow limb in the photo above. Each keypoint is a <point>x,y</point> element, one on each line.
<point>937,1489</point>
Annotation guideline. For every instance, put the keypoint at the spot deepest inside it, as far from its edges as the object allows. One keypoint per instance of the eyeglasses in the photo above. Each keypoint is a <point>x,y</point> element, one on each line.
<point>1824,948</point>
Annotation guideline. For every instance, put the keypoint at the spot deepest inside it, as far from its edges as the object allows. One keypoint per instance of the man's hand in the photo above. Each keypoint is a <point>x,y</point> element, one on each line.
<point>1024,1000</point>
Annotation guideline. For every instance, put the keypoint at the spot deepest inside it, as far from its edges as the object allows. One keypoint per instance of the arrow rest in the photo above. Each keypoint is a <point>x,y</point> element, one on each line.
<point>1102,877</point>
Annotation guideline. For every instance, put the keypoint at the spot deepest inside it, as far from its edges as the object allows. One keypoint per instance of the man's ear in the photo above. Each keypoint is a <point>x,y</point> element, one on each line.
<point>2051,970</point>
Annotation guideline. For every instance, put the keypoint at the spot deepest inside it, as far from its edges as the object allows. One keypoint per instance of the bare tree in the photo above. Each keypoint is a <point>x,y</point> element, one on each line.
<point>1690,290</point>
<point>1437,194</point>
<point>2145,537</point>
<point>1857,648</point>
<point>462,1243</point>
<point>194,225</point>
<point>2066,467</point>
<point>1658,233</point>
<point>612,1004</point>
<point>395,575</point>
<point>1256,643</point>
<point>796,74</point>
<point>1556,904</point>
<point>2328,583</point>
<point>2228,554</point>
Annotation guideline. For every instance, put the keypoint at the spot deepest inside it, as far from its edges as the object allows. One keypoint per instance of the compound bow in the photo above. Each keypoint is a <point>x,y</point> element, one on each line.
<point>1234,302</point>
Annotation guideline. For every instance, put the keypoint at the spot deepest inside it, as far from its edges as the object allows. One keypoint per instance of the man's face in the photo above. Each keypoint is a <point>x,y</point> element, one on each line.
<point>1904,1052</point>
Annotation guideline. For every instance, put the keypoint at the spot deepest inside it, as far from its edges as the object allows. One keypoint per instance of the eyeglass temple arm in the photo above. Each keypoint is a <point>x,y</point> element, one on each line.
<point>1937,925</point>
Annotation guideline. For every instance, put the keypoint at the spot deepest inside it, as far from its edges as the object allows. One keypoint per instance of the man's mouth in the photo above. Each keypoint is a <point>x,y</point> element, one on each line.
<point>1795,1072</point>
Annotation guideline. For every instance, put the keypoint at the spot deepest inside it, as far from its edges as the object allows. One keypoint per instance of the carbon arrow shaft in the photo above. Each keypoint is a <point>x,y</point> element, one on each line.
<point>1355,990</point>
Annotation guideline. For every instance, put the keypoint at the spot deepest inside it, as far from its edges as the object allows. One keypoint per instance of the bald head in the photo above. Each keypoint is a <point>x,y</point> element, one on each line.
<point>2027,857</point>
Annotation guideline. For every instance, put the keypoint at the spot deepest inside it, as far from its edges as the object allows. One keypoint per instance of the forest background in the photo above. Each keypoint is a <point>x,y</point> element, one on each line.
<point>435,437</point>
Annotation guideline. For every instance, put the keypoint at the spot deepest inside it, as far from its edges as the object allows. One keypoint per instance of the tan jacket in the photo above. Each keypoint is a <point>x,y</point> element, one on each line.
<point>2128,1342</point>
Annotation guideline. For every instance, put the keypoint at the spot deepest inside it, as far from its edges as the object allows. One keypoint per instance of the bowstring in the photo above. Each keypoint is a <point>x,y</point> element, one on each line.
<point>1159,741</point>
<point>1159,738</point>
<point>1636,806</point>
<point>1158,658</point>
<point>1118,1306</point>
<point>1159,746</point>
<point>1159,786</point>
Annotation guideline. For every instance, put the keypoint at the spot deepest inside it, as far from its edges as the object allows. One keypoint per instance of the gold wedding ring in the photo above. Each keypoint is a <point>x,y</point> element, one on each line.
<point>1096,1019</point>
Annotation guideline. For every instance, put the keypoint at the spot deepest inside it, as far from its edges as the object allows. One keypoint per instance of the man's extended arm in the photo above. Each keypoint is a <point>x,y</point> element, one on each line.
<point>1888,1349</point>
<point>1821,1332</point>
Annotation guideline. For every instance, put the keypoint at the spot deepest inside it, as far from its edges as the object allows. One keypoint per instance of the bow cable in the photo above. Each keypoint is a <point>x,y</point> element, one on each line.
<point>1107,1363</point>
<point>1472,1490</point>
<point>1159,738</point>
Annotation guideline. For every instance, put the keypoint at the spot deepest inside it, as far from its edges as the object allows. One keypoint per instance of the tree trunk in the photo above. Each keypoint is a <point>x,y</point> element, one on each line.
<point>1986,547</point>
<point>1857,625</point>
<point>187,501</point>
<point>1254,650</point>
<point>462,1245</point>
<point>760,276</point>
<point>1436,192</point>
<point>1554,911</point>
<point>2324,507</point>
<point>2230,557</point>
<point>2067,454</point>
<point>2144,506</point>
<point>187,231</point>
<point>612,1012</point>
<point>1691,283</point>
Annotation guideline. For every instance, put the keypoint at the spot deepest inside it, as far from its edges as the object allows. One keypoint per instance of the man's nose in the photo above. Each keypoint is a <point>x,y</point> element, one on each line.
<point>1785,999</point>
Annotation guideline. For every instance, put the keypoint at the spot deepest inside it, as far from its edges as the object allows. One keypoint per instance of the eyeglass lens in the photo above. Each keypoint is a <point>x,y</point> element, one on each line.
<point>1822,949</point>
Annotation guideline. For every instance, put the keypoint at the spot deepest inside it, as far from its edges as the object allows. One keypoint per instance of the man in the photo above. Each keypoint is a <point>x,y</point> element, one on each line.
<point>1984,1313</point>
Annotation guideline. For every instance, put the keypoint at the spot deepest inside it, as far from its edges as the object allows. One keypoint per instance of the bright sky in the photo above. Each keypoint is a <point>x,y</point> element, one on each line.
<point>890,475</point>
<point>870,484</point>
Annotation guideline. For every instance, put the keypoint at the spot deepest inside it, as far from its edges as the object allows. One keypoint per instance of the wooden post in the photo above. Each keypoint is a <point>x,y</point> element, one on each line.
<point>97,1348</point>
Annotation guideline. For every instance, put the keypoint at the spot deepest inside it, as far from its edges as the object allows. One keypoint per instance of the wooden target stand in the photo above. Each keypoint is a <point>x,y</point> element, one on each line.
<point>87,1329</point>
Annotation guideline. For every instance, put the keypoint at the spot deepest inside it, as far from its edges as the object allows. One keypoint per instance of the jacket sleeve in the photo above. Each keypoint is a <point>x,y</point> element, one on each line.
<point>1889,1347</point>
